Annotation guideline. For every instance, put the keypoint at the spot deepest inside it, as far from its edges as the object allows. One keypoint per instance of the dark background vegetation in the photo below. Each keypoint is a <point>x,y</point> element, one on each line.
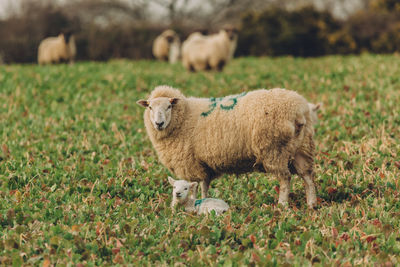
<point>120,29</point>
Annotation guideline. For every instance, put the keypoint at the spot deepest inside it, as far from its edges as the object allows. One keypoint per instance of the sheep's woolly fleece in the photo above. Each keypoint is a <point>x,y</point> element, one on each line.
<point>263,130</point>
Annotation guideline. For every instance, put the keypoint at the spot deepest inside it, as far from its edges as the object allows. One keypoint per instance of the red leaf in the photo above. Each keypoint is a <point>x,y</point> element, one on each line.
<point>106,161</point>
<point>255,257</point>
<point>277,189</point>
<point>345,237</point>
<point>289,255</point>
<point>376,222</point>
<point>115,250</point>
<point>334,232</point>
<point>331,190</point>
<point>229,228</point>
<point>397,164</point>
<point>253,239</point>
<point>98,228</point>
<point>5,149</point>
<point>248,219</point>
<point>370,238</point>
<point>119,244</point>
<point>46,262</point>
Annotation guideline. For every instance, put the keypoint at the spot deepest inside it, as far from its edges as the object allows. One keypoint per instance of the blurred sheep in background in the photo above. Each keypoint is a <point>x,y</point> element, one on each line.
<point>166,46</point>
<point>57,49</point>
<point>213,52</point>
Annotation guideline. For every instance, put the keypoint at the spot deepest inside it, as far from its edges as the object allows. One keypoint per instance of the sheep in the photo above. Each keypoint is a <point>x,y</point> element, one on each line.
<point>57,49</point>
<point>199,139</point>
<point>167,46</point>
<point>184,193</point>
<point>201,52</point>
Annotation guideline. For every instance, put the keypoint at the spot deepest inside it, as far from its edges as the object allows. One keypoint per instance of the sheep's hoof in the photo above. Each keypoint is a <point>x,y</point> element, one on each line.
<point>283,204</point>
<point>312,206</point>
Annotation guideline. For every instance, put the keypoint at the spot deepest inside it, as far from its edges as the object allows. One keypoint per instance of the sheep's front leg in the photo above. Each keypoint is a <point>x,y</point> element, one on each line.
<point>284,188</point>
<point>205,184</point>
<point>310,190</point>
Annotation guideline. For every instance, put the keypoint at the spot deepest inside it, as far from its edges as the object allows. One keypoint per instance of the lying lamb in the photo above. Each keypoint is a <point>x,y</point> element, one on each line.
<point>57,49</point>
<point>199,139</point>
<point>184,193</point>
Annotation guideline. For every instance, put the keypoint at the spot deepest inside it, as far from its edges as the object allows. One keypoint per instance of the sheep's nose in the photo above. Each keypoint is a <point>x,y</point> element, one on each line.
<point>159,124</point>
<point>178,194</point>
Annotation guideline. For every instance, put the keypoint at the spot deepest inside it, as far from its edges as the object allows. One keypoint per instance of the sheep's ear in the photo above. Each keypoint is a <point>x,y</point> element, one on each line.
<point>143,103</point>
<point>171,180</point>
<point>173,101</point>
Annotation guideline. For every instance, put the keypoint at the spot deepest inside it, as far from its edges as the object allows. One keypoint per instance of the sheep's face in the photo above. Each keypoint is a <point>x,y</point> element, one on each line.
<point>160,111</point>
<point>231,32</point>
<point>181,189</point>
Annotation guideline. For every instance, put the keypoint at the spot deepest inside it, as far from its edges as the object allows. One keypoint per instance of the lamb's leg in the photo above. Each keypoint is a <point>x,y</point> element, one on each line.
<point>284,188</point>
<point>205,184</point>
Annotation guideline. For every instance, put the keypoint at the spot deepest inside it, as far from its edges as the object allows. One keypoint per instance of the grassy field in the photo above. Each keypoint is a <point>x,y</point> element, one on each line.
<point>81,184</point>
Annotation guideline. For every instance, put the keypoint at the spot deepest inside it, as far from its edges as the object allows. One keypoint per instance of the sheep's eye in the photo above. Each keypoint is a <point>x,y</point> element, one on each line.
<point>170,106</point>
<point>150,108</point>
<point>174,187</point>
<point>186,188</point>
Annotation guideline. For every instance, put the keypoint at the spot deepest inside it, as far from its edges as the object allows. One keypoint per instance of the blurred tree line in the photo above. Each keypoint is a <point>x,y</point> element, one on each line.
<point>119,28</point>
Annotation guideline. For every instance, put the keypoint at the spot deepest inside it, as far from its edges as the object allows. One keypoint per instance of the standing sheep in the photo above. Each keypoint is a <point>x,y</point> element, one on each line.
<point>57,49</point>
<point>201,52</point>
<point>167,46</point>
<point>198,139</point>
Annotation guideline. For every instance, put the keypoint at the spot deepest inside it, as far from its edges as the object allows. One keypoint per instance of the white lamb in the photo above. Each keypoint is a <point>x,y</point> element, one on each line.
<point>199,139</point>
<point>184,192</point>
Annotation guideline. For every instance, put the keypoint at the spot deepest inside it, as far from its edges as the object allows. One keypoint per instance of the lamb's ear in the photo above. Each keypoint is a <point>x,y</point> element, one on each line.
<point>171,180</point>
<point>193,185</point>
<point>317,106</point>
<point>173,101</point>
<point>143,103</point>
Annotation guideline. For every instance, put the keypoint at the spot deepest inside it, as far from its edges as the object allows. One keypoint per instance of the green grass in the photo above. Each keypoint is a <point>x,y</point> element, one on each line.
<point>81,183</point>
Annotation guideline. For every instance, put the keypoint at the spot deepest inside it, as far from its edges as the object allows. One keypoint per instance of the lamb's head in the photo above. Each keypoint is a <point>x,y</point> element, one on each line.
<point>160,109</point>
<point>182,189</point>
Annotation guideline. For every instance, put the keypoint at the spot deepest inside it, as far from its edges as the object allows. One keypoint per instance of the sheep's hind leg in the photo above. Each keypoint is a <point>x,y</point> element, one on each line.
<point>304,167</point>
<point>205,184</point>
